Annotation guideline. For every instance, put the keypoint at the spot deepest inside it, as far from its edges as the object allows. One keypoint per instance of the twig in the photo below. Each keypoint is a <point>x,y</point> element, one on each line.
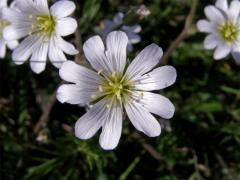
<point>183,35</point>
<point>149,148</point>
<point>46,108</point>
<point>224,165</point>
<point>195,160</point>
<point>78,59</point>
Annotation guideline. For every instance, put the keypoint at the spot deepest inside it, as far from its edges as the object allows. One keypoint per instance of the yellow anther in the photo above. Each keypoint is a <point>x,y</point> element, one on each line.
<point>118,94</point>
<point>100,88</point>
<point>93,96</point>
<point>108,106</point>
<point>113,74</point>
<point>110,83</point>
<point>100,71</point>
<point>141,95</point>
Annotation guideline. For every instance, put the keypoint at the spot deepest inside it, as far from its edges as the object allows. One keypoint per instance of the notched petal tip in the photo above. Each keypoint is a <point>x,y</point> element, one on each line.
<point>59,95</point>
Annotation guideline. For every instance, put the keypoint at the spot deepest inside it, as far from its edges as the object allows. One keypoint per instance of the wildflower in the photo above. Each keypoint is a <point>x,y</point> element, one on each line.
<point>43,29</point>
<point>223,27</point>
<point>3,23</point>
<point>117,24</point>
<point>142,11</point>
<point>115,88</point>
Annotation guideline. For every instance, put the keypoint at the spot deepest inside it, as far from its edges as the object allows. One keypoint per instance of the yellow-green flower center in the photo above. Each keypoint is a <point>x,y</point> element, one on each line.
<point>115,87</point>
<point>3,24</point>
<point>228,31</point>
<point>44,24</point>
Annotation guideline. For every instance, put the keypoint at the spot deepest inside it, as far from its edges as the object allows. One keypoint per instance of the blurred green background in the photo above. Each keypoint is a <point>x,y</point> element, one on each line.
<point>201,141</point>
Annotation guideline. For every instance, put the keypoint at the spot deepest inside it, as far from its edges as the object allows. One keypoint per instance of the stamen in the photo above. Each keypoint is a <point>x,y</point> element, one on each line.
<point>100,71</point>
<point>93,96</point>
<point>113,74</point>
<point>110,83</point>
<point>228,31</point>
<point>100,88</point>
<point>118,94</point>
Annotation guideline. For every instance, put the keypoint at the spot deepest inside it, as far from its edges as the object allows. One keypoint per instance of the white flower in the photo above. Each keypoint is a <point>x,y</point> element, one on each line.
<point>143,11</point>
<point>114,88</point>
<point>223,26</point>
<point>43,30</point>
<point>117,24</point>
<point>3,23</point>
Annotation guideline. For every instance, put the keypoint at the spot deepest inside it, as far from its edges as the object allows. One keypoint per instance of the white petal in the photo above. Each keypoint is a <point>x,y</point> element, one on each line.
<point>132,29</point>
<point>222,4</point>
<point>91,122</point>
<point>213,14</point>
<point>134,39</point>
<point>129,47</point>
<point>26,6</point>
<point>62,8</point>
<point>236,56</point>
<point>72,72</point>
<point>20,23</point>
<point>156,104</point>
<point>42,6</point>
<point>66,47</point>
<point>145,61</point>
<point>112,128</point>
<point>12,44</point>
<point>13,33</point>
<point>39,57</point>
<point>221,51</point>
<point>3,3</point>
<point>55,54</point>
<point>206,26</point>
<point>142,119</point>
<point>118,18</point>
<point>74,94</point>
<point>25,49</point>
<point>159,78</point>
<point>2,48</point>
<point>66,26</point>
<point>234,10</point>
<point>94,51</point>
<point>108,26</point>
<point>211,41</point>
<point>117,50</point>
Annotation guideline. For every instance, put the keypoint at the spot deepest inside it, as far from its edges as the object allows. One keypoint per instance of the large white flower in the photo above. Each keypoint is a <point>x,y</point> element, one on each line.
<point>3,23</point>
<point>117,24</point>
<point>114,88</point>
<point>223,26</point>
<point>43,30</point>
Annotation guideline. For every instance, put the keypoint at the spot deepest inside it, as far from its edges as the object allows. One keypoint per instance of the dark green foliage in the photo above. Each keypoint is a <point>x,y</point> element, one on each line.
<point>202,140</point>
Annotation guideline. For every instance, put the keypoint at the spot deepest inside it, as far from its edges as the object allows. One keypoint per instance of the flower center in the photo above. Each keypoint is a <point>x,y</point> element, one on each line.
<point>228,31</point>
<point>115,87</point>
<point>44,24</point>
<point>3,24</point>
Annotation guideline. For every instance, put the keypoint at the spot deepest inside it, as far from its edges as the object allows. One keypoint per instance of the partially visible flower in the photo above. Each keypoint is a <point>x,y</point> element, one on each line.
<point>114,88</point>
<point>42,29</point>
<point>4,23</point>
<point>117,24</point>
<point>143,11</point>
<point>223,26</point>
